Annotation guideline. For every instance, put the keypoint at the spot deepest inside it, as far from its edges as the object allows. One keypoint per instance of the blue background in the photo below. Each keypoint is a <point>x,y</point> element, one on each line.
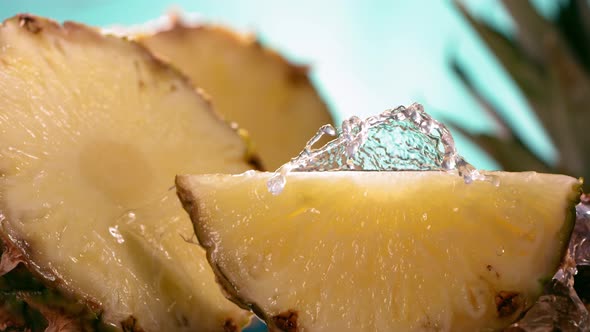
<point>366,56</point>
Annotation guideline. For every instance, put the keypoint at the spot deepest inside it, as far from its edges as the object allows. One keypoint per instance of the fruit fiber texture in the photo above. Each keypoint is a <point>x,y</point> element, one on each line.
<point>93,129</point>
<point>383,251</point>
<point>249,84</point>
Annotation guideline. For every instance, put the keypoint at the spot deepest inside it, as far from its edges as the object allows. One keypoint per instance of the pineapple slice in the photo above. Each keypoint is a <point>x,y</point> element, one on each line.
<point>382,251</point>
<point>249,84</point>
<point>93,127</point>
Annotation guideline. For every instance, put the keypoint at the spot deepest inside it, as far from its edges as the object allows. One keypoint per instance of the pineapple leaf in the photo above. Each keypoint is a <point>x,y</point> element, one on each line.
<point>527,75</point>
<point>549,63</point>
<point>511,153</point>
<point>503,128</point>
<point>573,21</point>
<point>532,28</point>
<point>506,147</point>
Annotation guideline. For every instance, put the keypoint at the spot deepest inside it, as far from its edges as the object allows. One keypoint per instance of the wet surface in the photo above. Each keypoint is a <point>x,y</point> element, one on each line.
<point>400,139</point>
<point>561,307</point>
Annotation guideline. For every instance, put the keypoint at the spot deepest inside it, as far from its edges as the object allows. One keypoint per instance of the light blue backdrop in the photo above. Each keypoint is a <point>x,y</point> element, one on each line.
<point>366,56</point>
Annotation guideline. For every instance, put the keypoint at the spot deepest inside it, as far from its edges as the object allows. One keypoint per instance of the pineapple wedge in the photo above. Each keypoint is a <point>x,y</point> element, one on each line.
<point>382,251</point>
<point>249,84</point>
<point>93,127</point>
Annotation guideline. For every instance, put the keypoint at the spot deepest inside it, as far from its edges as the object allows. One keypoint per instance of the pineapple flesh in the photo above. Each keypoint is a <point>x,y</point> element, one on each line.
<point>249,84</point>
<point>93,127</point>
<point>383,251</point>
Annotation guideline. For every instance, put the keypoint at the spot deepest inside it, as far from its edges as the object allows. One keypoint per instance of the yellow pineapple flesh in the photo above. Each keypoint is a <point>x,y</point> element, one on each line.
<point>249,84</point>
<point>383,251</point>
<point>93,127</point>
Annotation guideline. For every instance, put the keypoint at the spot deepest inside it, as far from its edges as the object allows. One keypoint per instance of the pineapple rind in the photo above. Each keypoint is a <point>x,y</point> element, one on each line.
<point>28,301</point>
<point>35,34</point>
<point>249,84</point>
<point>197,192</point>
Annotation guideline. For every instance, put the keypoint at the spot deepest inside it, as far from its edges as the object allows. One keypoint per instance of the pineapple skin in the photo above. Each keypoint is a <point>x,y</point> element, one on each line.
<point>31,298</point>
<point>507,302</point>
<point>288,107</point>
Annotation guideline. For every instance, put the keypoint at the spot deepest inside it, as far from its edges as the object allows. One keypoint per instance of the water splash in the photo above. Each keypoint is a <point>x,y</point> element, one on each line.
<point>397,139</point>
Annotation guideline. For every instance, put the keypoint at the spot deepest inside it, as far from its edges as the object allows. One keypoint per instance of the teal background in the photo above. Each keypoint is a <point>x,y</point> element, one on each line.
<point>366,56</point>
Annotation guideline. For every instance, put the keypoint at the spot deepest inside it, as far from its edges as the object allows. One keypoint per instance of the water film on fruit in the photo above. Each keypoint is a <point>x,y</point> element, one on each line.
<point>400,139</point>
<point>407,138</point>
<point>561,307</point>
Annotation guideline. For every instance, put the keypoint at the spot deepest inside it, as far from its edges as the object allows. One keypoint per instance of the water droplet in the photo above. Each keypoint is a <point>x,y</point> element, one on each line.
<point>116,234</point>
<point>314,211</point>
<point>425,216</point>
<point>276,183</point>
<point>250,172</point>
<point>395,140</point>
<point>500,251</point>
<point>494,180</point>
<point>390,248</point>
